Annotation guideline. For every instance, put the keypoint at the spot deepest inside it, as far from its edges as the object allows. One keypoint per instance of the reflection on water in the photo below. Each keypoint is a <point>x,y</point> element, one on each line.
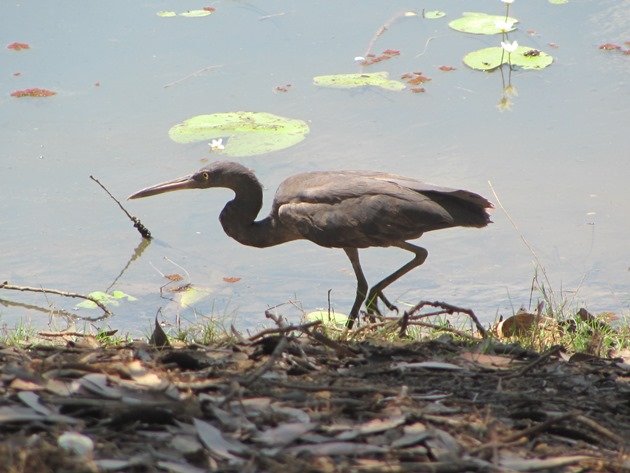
<point>124,76</point>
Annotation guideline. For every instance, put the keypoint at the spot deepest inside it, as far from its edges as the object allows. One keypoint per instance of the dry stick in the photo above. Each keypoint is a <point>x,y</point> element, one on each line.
<point>73,334</point>
<point>267,365</point>
<point>305,329</point>
<point>196,73</point>
<point>448,309</point>
<point>144,231</point>
<point>544,356</point>
<point>426,45</point>
<point>459,333</point>
<point>273,15</point>
<point>525,433</point>
<point>387,25</point>
<point>6,285</point>
<point>330,343</point>
<point>277,319</point>
<point>337,388</point>
<point>289,328</point>
<point>523,239</point>
<point>600,429</point>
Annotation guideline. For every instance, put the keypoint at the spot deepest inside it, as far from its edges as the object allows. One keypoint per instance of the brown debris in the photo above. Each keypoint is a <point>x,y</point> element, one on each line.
<point>284,402</point>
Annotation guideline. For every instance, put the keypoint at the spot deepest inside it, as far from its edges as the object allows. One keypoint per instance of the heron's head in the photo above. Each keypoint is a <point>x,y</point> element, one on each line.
<point>217,174</point>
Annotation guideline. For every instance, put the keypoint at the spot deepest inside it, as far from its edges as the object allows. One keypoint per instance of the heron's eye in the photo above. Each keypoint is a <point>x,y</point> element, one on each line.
<point>205,176</point>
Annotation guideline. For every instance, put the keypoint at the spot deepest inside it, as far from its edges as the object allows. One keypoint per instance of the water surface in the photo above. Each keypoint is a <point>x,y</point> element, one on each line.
<point>558,160</point>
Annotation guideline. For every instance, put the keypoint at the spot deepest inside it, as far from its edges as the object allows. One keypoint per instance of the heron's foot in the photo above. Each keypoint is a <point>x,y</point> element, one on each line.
<point>371,303</point>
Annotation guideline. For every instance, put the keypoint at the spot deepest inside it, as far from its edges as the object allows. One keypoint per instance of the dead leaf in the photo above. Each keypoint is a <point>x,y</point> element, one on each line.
<point>217,444</point>
<point>18,46</point>
<point>231,279</point>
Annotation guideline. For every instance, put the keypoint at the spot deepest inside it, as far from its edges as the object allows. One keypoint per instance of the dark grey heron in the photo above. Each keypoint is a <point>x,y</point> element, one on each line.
<point>338,209</point>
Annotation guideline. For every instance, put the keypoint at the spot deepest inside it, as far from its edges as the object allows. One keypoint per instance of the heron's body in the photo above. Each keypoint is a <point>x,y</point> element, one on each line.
<point>338,209</point>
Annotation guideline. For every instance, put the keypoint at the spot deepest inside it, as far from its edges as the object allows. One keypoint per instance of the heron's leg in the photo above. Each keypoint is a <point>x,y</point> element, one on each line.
<point>377,290</point>
<point>362,285</point>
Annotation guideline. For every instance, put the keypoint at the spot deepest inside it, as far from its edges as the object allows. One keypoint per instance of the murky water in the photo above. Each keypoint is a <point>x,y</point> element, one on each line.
<point>558,160</point>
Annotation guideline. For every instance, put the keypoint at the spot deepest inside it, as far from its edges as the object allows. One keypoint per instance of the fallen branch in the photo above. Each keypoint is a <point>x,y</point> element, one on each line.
<point>43,290</point>
<point>196,73</point>
<point>554,350</point>
<point>459,333</point>
<point>267,365</point>
<point>387,25</point>
<point>144,231</point>
<point>70,333</point>
<point>524,433</point>
<point>449,309</point>
<point>426,45</point>
<point>288,328</point>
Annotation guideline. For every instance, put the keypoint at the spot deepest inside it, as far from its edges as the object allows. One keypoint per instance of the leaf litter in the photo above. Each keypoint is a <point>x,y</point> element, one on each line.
<point>292,400</point>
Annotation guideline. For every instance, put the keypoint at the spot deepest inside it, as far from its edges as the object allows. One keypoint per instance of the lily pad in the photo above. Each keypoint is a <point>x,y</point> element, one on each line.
<point>248,133</point>
<point>196,13</point>
<point>328,318</point>
<point>490,58</point>
<point>193,295</point>
<point>104,298</point>
<point>434,14</point>
<point>480,23</point>
<point>349,81</point>
<point>166,14</point>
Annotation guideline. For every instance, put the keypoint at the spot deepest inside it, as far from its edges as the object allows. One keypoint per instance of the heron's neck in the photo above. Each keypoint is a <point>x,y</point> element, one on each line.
<point>238,217</point>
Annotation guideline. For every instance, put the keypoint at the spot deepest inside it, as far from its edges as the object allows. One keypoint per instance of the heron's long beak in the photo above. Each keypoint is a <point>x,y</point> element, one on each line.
<point>186,182</point>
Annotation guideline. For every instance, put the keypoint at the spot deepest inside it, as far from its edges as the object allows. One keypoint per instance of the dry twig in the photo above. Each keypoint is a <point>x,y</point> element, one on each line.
<point>446,309</point>
<point>43,290</point>
<point>144,231</point>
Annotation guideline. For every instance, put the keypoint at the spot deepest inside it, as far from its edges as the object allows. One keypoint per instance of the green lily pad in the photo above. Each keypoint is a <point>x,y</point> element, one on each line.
<point>105,299</point>
<point>558,2</point>
<point>193,295</point>
<point>480,23</point>
<point>348,81</point>
<point>166,14</point>
<point>434,14</point>
<point>490,58</point>
<point>195,13</point>
<point>248,133</point>
<point>328,318</point>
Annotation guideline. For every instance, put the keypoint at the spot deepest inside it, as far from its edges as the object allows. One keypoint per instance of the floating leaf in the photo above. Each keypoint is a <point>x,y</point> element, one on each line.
<point>122,295</point>
<point>609,47</point>
<point>480,23</point>
<point>434,14</point>
<point>328,318</point>
<point>282,88</point>
<point>104,298</point>
<point>35,92</point>
<point>415,78</point>
<point>196,13</point>
<point>373,59</point>
<point>348,81</point>
<point>249,133</point>
<point>193,295</point>
<point>18,46</point>
<point>174,277</point>
<point>490,58</point>
<point>446,68</point>
<point>166,14</point>
<point>231,279</point>
<point>558,2</point>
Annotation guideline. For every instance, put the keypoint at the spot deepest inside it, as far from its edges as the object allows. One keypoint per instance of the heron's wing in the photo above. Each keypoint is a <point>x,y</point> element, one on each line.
<point>360,211</point>
<point>427,188</point>
<point>334,186</point>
